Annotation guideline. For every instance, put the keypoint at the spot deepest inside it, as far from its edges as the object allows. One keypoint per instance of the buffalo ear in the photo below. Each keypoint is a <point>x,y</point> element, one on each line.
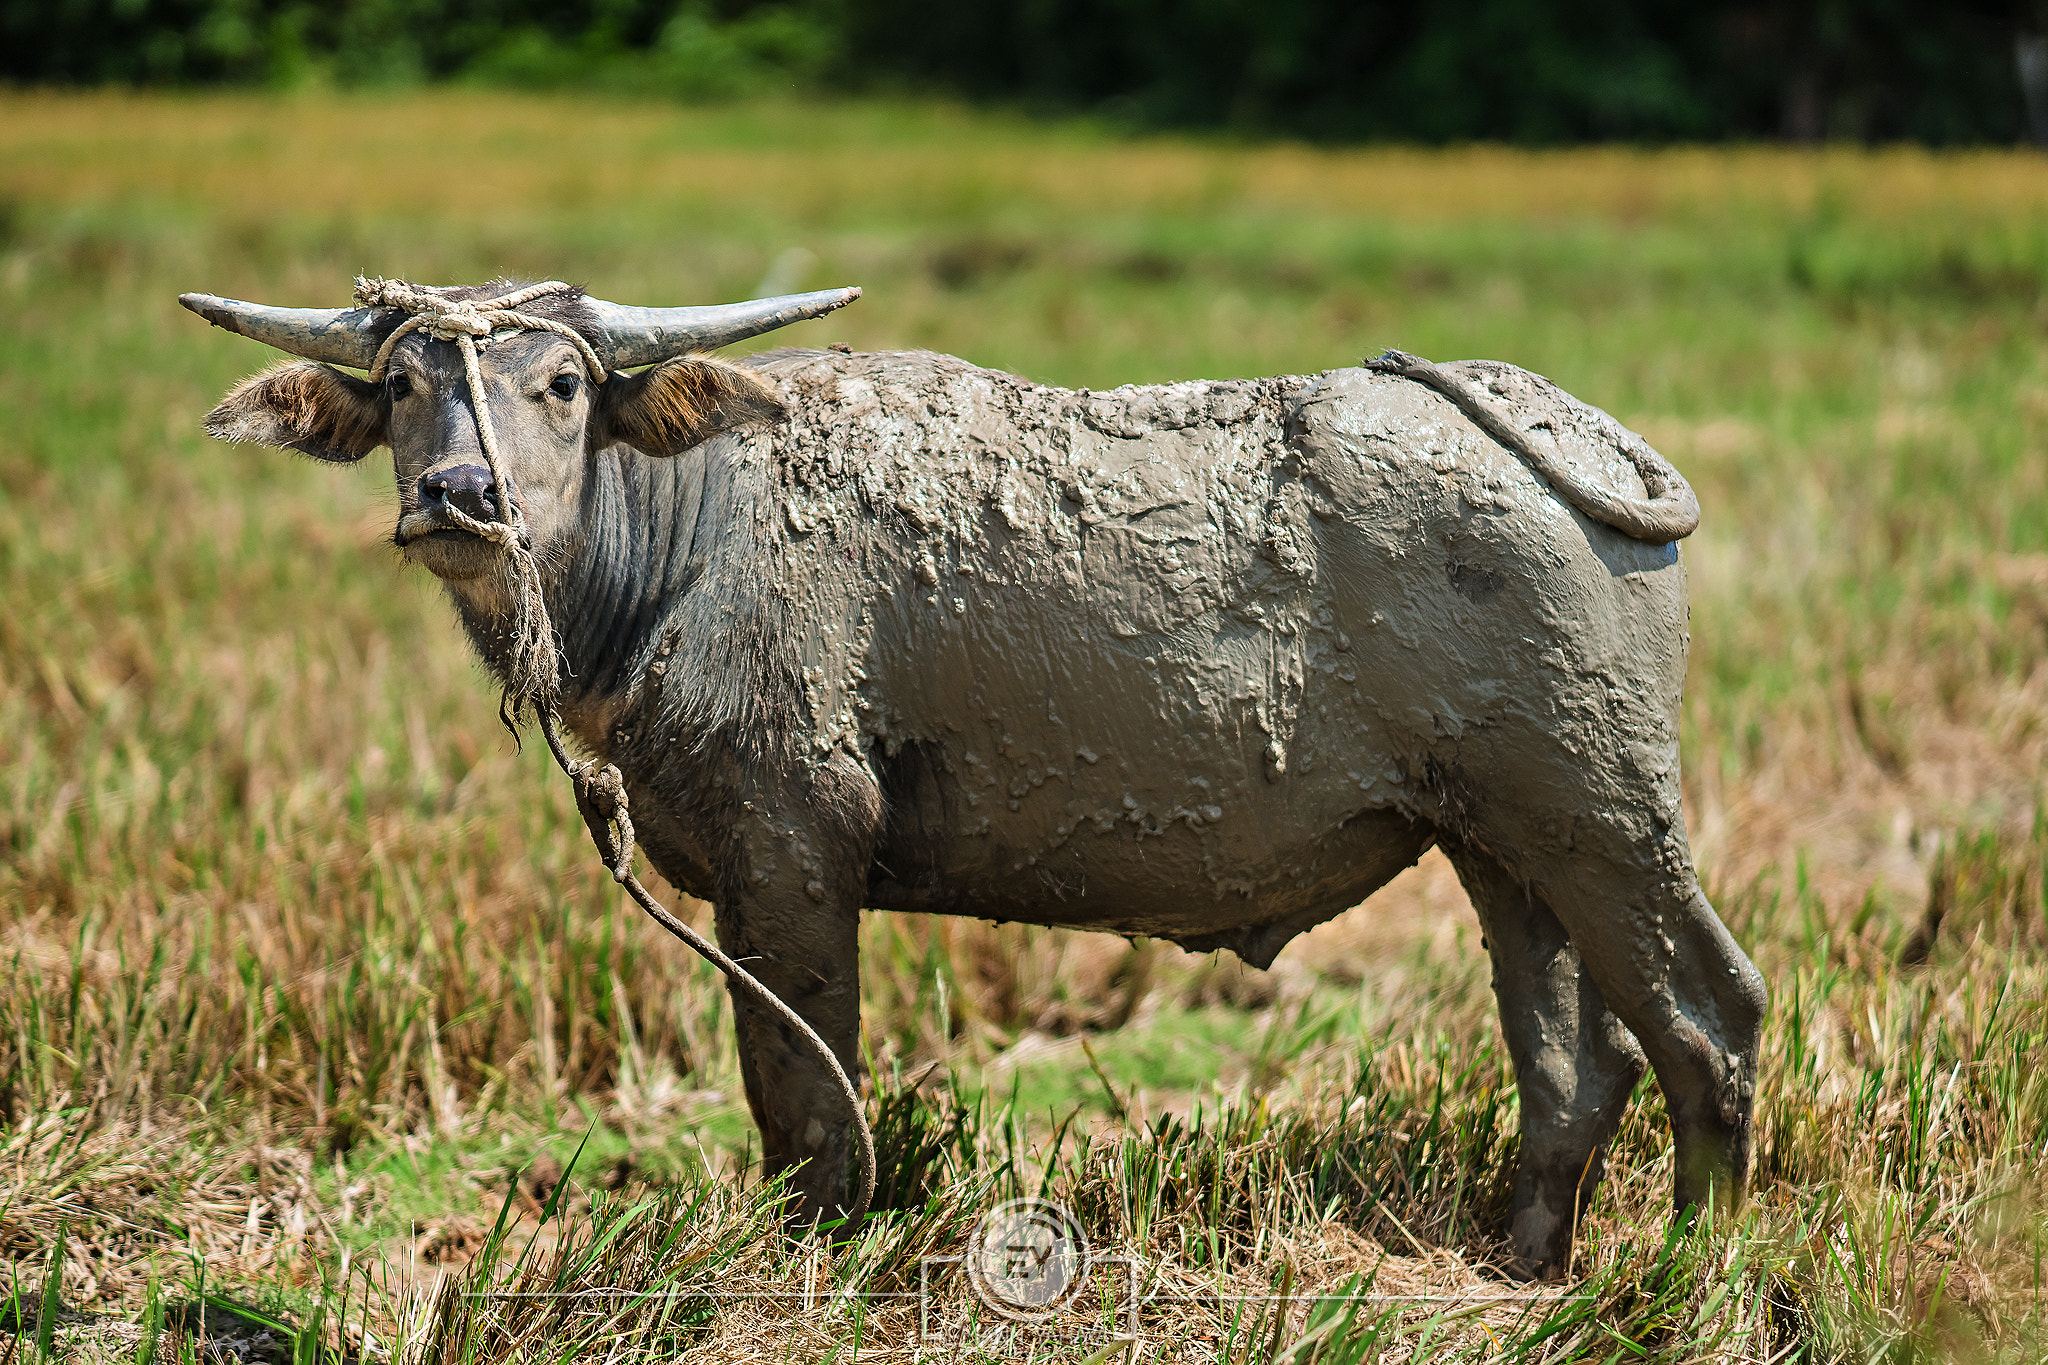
<point>681,403</point>
<point>305,407</point>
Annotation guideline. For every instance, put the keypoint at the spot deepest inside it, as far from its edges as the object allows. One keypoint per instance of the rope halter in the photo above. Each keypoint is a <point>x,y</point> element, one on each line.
<point>472,324</point>
<point>534,670</point>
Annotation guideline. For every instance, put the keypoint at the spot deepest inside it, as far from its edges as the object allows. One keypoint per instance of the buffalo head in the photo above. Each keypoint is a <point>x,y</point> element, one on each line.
<point>550,409</point>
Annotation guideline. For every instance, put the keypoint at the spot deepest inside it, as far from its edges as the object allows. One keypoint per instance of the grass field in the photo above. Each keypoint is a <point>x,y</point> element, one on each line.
<point>308,980</point>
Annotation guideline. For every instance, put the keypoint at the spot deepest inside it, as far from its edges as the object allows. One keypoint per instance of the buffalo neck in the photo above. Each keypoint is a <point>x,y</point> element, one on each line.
<point>673,566</point>
<point>643,542</point>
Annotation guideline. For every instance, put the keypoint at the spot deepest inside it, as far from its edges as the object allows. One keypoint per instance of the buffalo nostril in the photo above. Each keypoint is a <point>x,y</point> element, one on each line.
<point>466,487</point>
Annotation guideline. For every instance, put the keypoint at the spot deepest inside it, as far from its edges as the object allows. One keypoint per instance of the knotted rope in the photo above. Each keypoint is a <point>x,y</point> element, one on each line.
<point>533,673</point>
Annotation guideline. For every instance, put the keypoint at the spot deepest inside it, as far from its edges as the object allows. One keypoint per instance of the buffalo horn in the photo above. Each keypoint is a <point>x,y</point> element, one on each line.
<point>639,336</point>
<point>643,336</point>
<point>339,336</point>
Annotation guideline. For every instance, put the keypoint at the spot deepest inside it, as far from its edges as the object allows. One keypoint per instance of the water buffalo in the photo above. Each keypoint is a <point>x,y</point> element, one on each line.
<point>1207,661</point>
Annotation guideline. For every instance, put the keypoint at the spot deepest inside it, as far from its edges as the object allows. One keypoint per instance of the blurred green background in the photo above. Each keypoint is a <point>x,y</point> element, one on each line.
<point>1536,71</point>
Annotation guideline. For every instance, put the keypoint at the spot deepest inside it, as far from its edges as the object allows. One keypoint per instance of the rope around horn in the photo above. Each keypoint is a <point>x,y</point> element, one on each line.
<point>533,674</point>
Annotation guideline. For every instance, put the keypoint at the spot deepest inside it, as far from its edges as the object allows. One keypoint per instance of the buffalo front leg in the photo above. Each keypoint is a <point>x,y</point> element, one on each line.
<point>807,952</point>
<point>1575,1064</point>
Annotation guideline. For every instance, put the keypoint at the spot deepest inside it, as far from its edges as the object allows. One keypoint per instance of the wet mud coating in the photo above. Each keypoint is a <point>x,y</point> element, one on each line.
<point>1208,661</point>
<point>1212,662</point>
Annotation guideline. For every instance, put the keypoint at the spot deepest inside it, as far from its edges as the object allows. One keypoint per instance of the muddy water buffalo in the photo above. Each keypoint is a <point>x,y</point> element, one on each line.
<point>1206,661</point>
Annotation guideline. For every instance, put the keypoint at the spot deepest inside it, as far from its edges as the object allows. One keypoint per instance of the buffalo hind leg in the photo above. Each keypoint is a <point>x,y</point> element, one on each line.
<point>1668,968</point>
<point>1575,1064</point>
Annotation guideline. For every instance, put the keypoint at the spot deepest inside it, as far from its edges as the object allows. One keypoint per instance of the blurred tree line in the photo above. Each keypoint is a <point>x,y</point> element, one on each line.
<point>1963,71</point>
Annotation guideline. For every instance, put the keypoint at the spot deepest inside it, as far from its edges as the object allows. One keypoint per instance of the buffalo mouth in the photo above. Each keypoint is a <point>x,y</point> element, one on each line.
<point>430,524</point>
<point>453,534</point>
<point>427,526</point>
<point>443,549</point>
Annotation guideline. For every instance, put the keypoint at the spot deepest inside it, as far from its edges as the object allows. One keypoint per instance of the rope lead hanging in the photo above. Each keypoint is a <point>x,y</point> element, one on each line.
<point>533,673</point>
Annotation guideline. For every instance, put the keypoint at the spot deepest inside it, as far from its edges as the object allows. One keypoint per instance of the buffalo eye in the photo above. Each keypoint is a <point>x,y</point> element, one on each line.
<point>399,385</point>
<point>565,386</point>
